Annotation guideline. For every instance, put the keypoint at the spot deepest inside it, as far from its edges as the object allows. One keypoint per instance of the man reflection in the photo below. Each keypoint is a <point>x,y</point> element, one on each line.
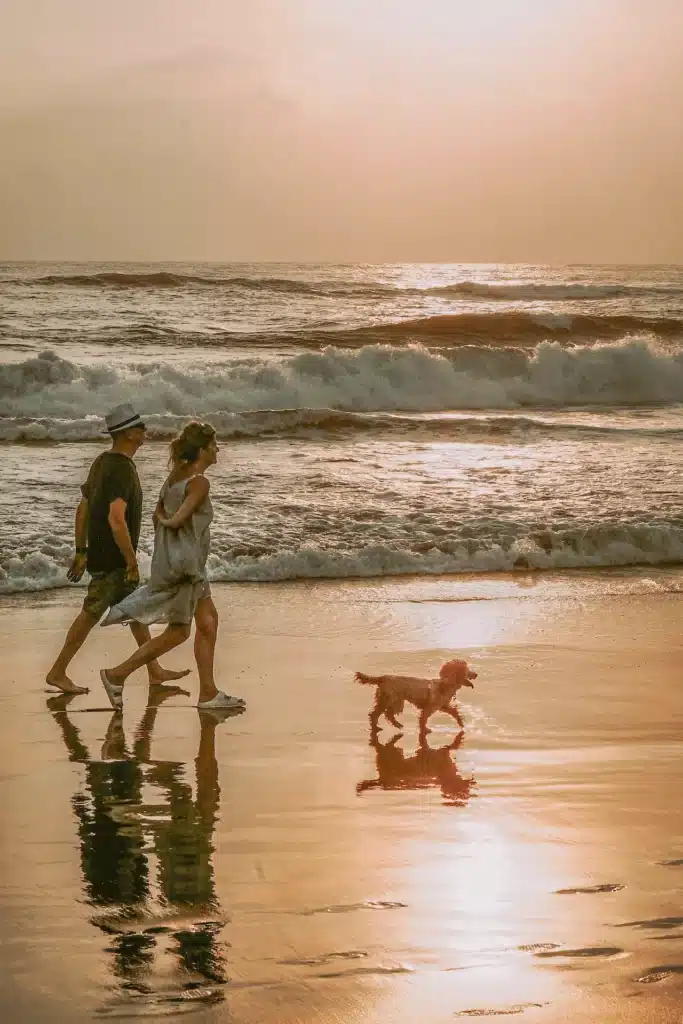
<point>427,768</point>
<point>146,849</point>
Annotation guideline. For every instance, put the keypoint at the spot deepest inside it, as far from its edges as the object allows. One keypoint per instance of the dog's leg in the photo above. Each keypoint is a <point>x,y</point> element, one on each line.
<point>391,717</point>
<point>361,787</point>
<point>454,713</point>
<point>457,742</point>
<point>377,710</point>
<point>424,715</point>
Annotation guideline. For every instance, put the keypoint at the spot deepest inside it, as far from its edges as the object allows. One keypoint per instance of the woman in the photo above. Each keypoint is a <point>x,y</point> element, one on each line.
<point>178,588</point>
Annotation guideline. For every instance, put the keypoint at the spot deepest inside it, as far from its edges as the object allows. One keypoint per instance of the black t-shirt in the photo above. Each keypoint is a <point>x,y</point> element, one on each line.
<point>111,476</point>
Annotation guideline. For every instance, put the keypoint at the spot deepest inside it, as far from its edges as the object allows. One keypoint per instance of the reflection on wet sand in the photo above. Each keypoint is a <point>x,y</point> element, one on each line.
<point>146,846</point>
<point>429,767</point>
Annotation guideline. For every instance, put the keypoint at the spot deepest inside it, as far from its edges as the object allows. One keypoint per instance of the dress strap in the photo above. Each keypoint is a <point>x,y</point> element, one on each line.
<point>185,481</point>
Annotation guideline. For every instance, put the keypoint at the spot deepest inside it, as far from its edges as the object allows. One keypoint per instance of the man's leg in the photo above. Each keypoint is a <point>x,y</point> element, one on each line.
<point>100,596</point>
<point>75,638</point>
<point>156,673</point>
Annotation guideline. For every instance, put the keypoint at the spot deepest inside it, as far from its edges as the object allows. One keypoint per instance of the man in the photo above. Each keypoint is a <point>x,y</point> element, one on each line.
<point>107,530</point>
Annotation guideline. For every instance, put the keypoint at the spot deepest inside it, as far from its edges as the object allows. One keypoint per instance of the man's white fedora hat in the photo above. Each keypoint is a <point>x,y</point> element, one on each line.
<point>123,417</point>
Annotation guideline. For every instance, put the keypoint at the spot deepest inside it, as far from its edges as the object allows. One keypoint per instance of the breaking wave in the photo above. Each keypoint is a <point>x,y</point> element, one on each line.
<point>589,547</point>
<point>38,396</point>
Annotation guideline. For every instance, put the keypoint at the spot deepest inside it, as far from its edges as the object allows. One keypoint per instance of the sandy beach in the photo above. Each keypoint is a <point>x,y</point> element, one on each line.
<point>378,308</point>
<point>277,867</point>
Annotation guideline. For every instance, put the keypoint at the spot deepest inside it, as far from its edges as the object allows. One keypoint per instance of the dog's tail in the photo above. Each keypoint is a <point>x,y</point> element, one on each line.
<point>360,677</point>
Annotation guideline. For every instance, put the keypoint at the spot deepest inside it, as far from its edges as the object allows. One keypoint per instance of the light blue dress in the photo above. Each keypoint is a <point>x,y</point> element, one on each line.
<point>178,578</point>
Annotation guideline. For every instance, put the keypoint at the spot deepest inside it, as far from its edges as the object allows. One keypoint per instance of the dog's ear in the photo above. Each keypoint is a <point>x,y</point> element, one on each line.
<point>457,672</point>
<point>452,670</point>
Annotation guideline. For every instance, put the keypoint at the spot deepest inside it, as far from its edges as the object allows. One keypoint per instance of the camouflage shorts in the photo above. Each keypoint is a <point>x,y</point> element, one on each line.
<point>106,589</point>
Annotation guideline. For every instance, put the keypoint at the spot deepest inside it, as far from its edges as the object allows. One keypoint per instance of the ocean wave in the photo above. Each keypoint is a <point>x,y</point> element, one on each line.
<point>488,290</point>
<point>38,392</point>
<point>311,423</point>
<point>443,332</point>
<point>508,327</point>
<point>522,291</point>
<point>167,279</point>
<point>591,547</point>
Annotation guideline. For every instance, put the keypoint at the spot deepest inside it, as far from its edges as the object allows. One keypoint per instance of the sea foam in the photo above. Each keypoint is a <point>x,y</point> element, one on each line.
<point>620,545</point>
<point>39,396</point>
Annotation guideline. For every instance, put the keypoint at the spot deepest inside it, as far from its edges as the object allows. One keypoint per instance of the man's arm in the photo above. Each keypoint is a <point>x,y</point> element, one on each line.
<point>119,528</point>
<point>77,567</point>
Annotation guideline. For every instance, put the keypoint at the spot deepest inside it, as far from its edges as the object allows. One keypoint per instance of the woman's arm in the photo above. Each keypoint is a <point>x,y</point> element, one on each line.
<point>158,511</point>
<point>197,490</point>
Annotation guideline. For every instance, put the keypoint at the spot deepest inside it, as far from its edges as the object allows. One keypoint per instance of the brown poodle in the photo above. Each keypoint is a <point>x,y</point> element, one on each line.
<point>428,695</point>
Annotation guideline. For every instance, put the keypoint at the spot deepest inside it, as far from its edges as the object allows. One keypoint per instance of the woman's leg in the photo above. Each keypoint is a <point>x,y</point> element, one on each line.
<point>172,636</point>
<point>206,623</point>
<point>156,673</point>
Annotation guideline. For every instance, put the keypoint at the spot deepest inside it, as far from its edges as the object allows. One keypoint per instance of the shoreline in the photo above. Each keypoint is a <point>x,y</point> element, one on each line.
<point>519,580</point>
<point>289,871</point>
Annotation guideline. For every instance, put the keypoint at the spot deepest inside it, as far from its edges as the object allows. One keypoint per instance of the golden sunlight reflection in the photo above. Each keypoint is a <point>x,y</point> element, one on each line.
<point>485,888</point>
<point>463,623</point>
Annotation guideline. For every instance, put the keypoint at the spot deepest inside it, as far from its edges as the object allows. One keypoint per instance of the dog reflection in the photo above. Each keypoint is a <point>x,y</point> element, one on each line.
<point>429,767</point>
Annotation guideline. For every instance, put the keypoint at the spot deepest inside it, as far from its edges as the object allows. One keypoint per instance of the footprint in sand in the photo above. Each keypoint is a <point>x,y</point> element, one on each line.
<point>660,973</point>
<point>586,952</point>
<point>323,958</point>
<point>365,970</point>
<point>538,947</point>
<point>656,923</point>
<point>505,1011</point>
<point>580,890</point>
<point>345,908</point>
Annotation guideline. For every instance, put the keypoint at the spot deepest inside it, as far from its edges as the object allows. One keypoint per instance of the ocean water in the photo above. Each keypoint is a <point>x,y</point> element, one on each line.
<point>374,420</point>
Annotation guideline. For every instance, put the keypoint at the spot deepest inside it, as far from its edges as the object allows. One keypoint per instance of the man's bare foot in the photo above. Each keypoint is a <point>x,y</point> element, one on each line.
<point>166,675</point>
<point>65,684</point>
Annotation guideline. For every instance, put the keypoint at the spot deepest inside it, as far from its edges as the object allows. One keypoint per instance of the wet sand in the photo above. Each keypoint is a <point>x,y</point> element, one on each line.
<point>278,867</point>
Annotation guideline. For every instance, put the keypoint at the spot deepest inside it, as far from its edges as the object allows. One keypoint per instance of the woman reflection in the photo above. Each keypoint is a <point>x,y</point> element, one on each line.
<point>136,814</point>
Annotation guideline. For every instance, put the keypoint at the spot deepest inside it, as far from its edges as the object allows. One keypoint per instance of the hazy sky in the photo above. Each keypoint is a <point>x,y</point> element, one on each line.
<point>518,130</point>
